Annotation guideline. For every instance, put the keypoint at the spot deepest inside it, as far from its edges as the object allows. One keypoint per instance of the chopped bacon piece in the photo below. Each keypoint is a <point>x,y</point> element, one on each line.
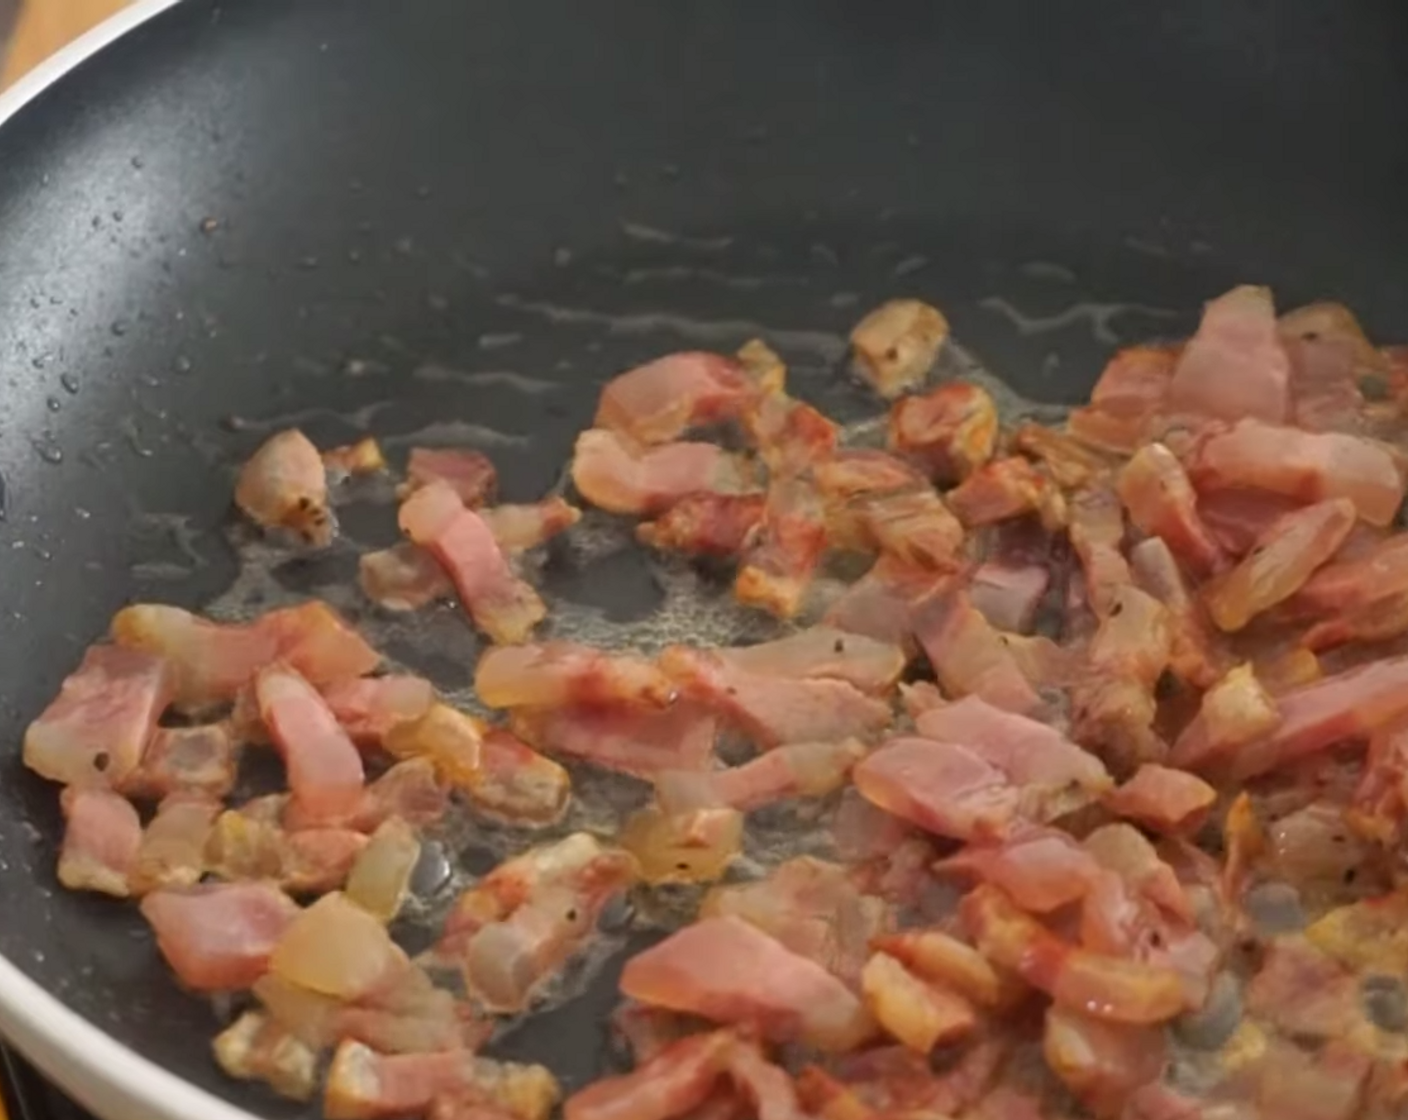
<point>764,1088</point>
<point>1030,752</point>
<point>824,652</point>
<point>951,430</point>
<point>664,398</point>
<point>705,525</point>
<point>256,1048</point>
<point>942,787</point>
<point>1101,1063</point>
<point>470,474</point>
<point>1377,575</point>
<point>1328,1084</point>
<point>337,949</point>
<point>879,605</point>
<point>1329,355</point>
<point>777,570</point>
<point>212,661</point>
<point>369,707</point>
<point>763,365</point>
<point>919,1014</point>
<point>695,845</point>
<point>555,674</point>
<point>1377,622</point>
<point>1110,988</point>
<point>450,740</point>
<point>102,836</point>
<point>1115,706</point>
<point>1161,501</point>
<point>774,710</point>
<point>616,475</point>
<point>1163,799</point>
<point>1007,488</point>
<point>1124,402</point>
<point>502,605</point>
<point>324,769</point>
<point>1192,657</point>
<point>200,759</point>
<point>1041,871</point>
<point>354,459</point>
<point>969,657</point>
<point>812,907</point>
<point>1235,365</point>
<point>897,343</point>
<point>285,486</point>
<point>97,727</point>
<point>1350,705</point>
<point>1314,847</point>
<point>671,1084</point>
<point>637,741</point>
<point>1237,709</point>
<point>380,878</point>
<point>1305,466</point>
<point>913,525</point>
<point>1380,806</point>
<point>365,1085</point>
<point>519,924</point>
<point>1097,534</point>
<point>306,861</point>
<point>1304,992</point>
<point>1237,517</point>
<point>856,473</point>
<point>219,937</point>
<point>729,971</point>
<point>1070,463</point>
<point>172,852</point>
<point>1280,562</point>
<point>1008,594</point>
<point>794,770</point>
<point>520,526</point>
<point>944,959</point>
<point>514,783</point>
<point>404,577</point>
<point>790,435</point>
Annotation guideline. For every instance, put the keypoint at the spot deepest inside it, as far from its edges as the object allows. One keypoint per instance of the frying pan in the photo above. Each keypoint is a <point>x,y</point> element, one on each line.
<point>280,212</point>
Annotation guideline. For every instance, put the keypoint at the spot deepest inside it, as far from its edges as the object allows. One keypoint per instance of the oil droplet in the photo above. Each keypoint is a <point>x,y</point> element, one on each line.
<point>119,327</point>
<point>69,383</point>
<point>138,162</point>
<point>183,364</point>
<point>308,263</point>
<point>53,404</point>
<point>40,361</point>
<point>47,450</point>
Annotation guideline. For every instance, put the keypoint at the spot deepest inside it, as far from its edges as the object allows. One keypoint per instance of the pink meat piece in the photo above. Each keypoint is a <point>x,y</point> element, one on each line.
<point>727,970</point>
<point>101,837</point>
<point>969,656</point>
<point>502,605</point>
<point>369,707</point>
<point>324,769</point>
<point>1235,365</point>
<point>660,400</point>
<point>212,662</point>
<point>1161,501</point>
<point>1028,751</point>
<point>1008,593</point>
<point>1350,705</point>
<point>1163,799</point>
<point>403,577</point>
<point>942,787</point>
<point>470,474</point>
<point>620,476</point>
<point>219,937</point>
<point>774,710</point>
<point>637,741</point>
<point>1305,466</point>
<point>203,758</point>
<point>98,726</point>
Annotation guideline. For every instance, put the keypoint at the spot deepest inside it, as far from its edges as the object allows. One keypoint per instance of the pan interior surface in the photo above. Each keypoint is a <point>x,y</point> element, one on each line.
<point>460,217</point>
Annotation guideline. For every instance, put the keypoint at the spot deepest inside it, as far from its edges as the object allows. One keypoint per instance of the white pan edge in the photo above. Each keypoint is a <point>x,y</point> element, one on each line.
<point>107,1078</point>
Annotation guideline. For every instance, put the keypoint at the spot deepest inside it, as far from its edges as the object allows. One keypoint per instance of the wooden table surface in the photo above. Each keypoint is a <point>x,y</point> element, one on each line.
<point>46,25</point>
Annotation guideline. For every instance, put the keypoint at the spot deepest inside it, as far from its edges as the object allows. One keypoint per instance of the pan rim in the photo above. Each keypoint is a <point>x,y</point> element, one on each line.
<point>101,1073</point>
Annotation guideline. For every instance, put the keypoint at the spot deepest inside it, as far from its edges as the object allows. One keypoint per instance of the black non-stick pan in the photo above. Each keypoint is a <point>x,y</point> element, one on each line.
<point>276,211</point>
